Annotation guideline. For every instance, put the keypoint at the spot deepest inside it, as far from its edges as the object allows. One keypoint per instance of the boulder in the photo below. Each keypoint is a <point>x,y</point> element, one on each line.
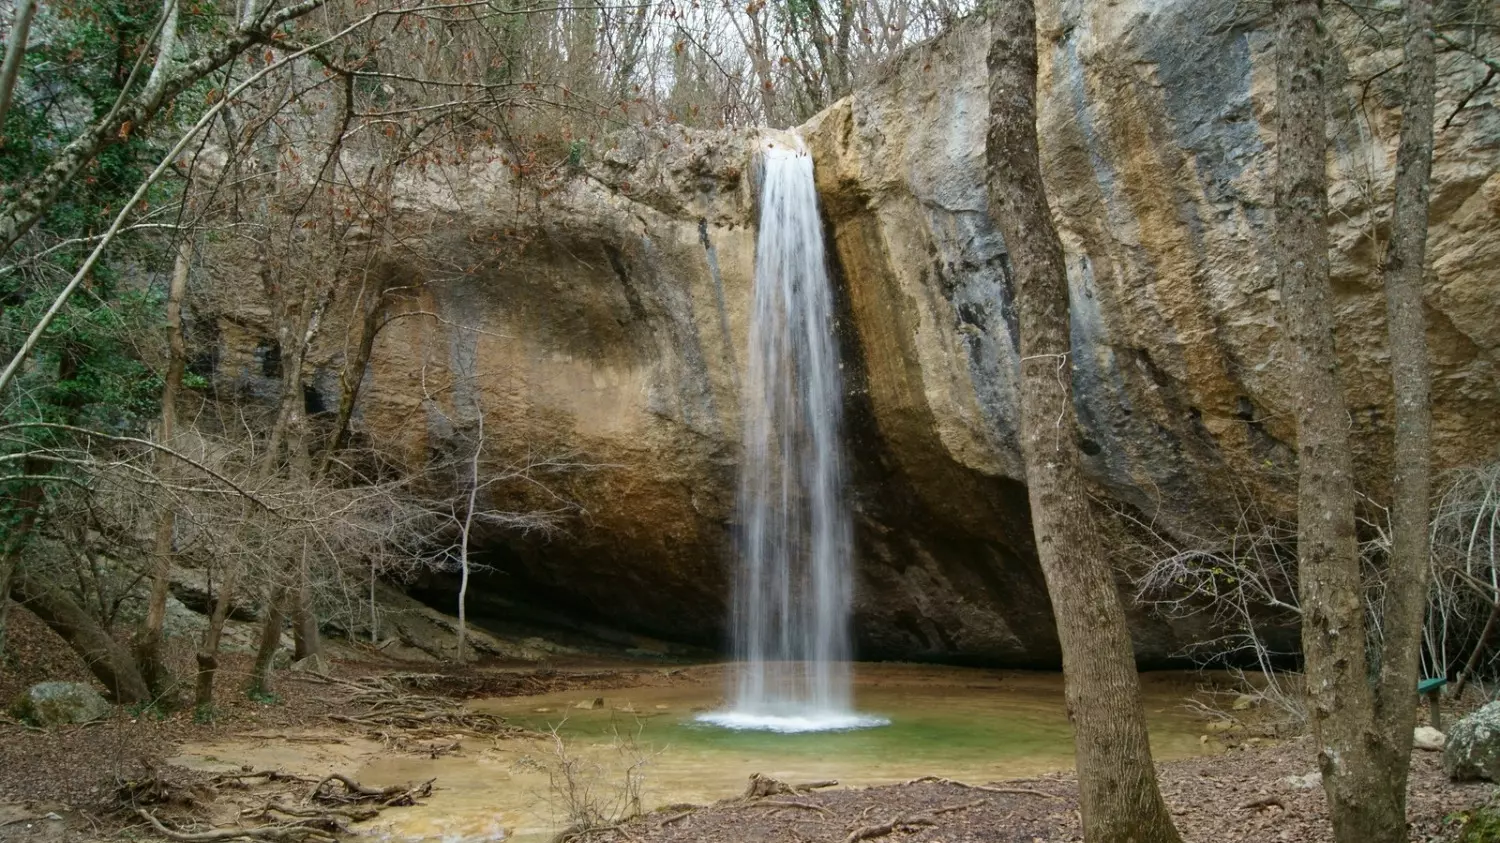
<point>48,704</point>
<point>1428,739</point>
<point>1472,752</point>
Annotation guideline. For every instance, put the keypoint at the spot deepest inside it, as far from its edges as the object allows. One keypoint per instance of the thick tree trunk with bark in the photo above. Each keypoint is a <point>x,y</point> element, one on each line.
<point>270,641</point>
<point>208,650</point>
<point>305,638</point>
<point>1362,730</point>
<point>109,661</point>
<point>1119,796</point>
<point>1405,265</point>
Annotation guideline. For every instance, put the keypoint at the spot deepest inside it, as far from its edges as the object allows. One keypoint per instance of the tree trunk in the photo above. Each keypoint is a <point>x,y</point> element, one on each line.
<point>306,642</point>
<point>1411,509</point>
<point>463,547</point>
<point>106,658</point>
<point>270,640</point>
<point>22,510</point>
<point>15,51</point>
<point>1341,703</point>
<point>1119,796</point>
<point>208,651</point>
<point>148,644</point>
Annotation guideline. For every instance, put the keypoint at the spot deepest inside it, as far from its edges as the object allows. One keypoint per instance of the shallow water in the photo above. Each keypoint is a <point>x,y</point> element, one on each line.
<point>970,725</point>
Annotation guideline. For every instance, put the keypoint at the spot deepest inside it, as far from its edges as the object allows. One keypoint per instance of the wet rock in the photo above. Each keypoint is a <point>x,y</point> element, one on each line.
<point>1472,752</point>
<point>48,704</point>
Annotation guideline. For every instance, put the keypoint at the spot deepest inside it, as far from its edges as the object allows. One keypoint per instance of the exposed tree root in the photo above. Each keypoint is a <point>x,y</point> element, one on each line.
<point>327,791</point>
<point>1015,791</point>
<point>388,707</point>
<point>907,820</point>
<point>761,787</point>
<point>300,831</point>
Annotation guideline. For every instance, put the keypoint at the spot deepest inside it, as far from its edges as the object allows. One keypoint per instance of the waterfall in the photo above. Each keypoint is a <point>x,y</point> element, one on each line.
<point>792,589</point>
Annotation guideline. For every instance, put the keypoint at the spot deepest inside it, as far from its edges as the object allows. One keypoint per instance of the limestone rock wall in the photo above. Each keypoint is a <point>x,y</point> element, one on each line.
<point>611,326</point>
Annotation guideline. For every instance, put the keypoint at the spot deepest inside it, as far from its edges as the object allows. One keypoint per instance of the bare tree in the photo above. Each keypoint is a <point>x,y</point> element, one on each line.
<point>1362,729</point>
<point>1119,796</point>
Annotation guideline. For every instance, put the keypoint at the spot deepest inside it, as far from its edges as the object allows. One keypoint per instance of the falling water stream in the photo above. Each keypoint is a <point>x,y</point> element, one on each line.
<point>792,590</point>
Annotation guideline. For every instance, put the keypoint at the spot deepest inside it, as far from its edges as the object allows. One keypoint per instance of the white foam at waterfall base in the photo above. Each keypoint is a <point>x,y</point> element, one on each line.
<point>793,584</point>
<point>790,724</point>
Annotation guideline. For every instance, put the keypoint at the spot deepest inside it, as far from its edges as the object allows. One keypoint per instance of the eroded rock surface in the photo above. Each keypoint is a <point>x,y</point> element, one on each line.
<point>606,320</point>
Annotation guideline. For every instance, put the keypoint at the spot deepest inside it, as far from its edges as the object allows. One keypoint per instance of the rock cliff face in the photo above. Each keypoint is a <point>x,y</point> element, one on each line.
<point>612,326</point>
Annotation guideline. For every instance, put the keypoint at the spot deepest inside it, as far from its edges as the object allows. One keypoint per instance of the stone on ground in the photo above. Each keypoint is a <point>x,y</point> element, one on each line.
<point>1429,739</point>
<point>1472,752</point>
<point>50,704</point>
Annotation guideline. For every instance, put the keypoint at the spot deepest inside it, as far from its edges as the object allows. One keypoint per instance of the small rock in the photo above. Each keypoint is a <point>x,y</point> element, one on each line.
<point>542,710</point>
<point>58,703</point>
<point>1244,702</point>
<point>591,705</point>
<point>1221,726</point>
<point>1305,782</point>
<point>1429,739</point>
<point>660,707</point>
<point>1472,751</point>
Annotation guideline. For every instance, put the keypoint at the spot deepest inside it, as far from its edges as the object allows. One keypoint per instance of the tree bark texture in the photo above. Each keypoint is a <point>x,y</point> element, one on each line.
<point>1119,796</point>
<point>270,641</point>
<point>1340,699</point>
<point>111,662</point>
<point>1411,377</point>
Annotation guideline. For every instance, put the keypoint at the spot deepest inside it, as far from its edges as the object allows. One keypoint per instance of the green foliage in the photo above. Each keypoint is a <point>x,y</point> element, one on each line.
<point>576,152</point>
<point>263,697</point>
<point>205,714</point>
<point>146,711</point>
<point>91,367</point>
<point>1480,825</point>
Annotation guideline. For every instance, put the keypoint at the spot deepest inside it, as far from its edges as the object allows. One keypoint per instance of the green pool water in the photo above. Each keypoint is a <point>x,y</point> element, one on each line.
<point>943,721</point>
<point>970,725</point>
